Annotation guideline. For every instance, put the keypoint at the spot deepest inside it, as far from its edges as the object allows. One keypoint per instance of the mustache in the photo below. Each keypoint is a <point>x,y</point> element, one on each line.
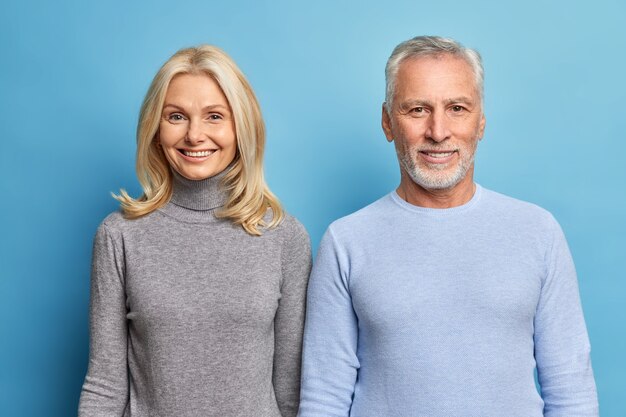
<point>435,149</point>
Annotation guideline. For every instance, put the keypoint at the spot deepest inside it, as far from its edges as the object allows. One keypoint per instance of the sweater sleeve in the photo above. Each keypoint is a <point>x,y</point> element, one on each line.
<point>289,320</point>
<point>330,363</point>
<point>562,349</point>
<point>105,390</point>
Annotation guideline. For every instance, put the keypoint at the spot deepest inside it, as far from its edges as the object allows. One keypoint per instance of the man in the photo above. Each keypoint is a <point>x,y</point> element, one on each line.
<point>442,298</point>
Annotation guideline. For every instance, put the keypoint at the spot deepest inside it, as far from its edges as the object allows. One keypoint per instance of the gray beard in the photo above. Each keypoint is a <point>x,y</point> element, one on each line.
<point>433,178</point>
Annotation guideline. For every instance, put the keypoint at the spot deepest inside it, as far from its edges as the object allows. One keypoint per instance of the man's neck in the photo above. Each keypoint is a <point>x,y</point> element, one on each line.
<point>456,196</point>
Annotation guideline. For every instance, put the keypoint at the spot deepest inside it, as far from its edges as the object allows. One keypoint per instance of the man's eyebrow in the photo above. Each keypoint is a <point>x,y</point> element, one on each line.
<point>406,105</point>
<point>460,99</point>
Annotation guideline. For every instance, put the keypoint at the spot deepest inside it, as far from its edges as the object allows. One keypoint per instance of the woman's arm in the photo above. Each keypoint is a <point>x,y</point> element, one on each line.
<point>105,390</point>
<point>289,320</point>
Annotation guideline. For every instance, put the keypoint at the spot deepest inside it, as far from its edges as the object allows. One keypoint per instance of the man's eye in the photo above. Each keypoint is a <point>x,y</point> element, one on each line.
<point>457,109</point>
<point>418,110</point>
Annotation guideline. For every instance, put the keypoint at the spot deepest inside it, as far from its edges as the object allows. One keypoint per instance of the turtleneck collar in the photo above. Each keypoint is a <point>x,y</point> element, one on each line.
<point>200,195</point>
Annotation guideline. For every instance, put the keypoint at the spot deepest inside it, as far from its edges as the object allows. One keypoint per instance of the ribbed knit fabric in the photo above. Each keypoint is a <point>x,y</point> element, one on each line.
<point>192,316</point>
<point>418,312</point>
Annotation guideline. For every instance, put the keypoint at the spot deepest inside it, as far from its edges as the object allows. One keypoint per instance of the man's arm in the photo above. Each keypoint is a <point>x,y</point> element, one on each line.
<point>329,364</point>
<point>562,349</point>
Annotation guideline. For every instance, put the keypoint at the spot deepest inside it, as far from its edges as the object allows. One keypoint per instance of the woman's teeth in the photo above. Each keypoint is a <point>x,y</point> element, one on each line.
<point>197,154</point>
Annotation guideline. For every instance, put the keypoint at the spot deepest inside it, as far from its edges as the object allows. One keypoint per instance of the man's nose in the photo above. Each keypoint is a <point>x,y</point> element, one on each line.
<point>438,129</point>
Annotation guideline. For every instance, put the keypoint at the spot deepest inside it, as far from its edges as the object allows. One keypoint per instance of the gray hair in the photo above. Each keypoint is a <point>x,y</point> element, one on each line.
<point>430,46</point>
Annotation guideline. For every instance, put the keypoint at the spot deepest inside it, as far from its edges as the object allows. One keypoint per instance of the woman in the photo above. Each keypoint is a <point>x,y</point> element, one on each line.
<point>198,287</point>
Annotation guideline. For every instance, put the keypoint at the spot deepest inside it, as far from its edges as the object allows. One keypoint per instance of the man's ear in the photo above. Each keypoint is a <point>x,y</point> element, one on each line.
<point>386,123</point>
<point>481,127</point>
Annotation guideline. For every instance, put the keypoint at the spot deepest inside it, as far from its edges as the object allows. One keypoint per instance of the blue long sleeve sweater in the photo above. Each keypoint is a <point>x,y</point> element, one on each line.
<point>446,312</point>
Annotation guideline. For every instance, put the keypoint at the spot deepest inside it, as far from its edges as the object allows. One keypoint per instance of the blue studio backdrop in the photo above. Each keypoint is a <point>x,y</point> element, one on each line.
<point>73,75</point>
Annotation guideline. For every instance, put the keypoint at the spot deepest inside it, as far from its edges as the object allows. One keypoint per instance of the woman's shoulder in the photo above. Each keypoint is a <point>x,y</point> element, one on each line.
<point>112,227</point>
<point>293,224</point>
<point>113,220</point>
<point>290,228</point>
<point>295,244</point>
<point>117,223</point>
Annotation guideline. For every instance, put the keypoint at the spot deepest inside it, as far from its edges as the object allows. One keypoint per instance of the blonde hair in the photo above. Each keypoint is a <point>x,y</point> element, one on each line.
<point>248,195</point>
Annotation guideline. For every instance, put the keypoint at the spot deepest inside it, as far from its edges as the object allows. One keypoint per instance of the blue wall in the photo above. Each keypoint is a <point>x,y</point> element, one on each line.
<point>73,75</point>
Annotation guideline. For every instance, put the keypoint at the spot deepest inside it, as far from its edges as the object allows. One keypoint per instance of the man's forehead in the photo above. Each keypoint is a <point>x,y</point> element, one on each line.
<point>451,76</point>
<point>430,62</point>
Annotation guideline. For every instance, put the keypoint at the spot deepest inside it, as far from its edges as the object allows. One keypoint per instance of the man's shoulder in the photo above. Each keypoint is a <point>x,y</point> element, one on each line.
<point>503,207</point>
<point>367,217</point>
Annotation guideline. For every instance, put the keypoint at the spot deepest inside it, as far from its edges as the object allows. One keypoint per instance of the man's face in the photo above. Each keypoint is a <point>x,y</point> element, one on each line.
<point>436,120</point>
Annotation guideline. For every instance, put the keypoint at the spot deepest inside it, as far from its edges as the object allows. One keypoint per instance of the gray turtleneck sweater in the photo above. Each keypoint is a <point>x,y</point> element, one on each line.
<point>192,316</point>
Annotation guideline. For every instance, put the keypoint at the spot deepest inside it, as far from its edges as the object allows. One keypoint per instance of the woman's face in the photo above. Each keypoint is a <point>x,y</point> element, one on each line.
<point>197,130</point>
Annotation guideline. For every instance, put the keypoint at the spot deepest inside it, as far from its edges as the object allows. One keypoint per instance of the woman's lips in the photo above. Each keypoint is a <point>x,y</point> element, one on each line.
<point>196,156</point>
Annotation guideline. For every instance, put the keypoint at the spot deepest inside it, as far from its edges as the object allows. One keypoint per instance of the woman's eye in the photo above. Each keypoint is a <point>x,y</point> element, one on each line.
<point>175,117</point>
<point>215,116</point>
